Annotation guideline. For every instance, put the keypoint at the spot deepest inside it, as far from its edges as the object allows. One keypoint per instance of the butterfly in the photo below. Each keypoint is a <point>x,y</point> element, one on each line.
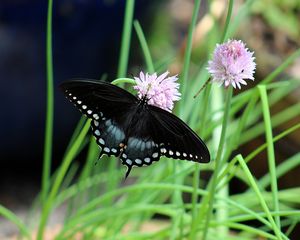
<point>129,128</point>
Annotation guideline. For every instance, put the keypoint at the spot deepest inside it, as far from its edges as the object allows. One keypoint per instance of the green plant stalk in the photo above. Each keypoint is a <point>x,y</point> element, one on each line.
<point>123,80</point>
<point>59,179</point>
<point>196,173</point>
<point>14,219</point>
<point>270,147</point>
<point>243,12</point>
<point>218,162</point>
<point>278,137</point>
<point>248,229</point>
<point>291,228</point>
<point>126,36</point>
<point>50,106</point>
<point>277,119</point>
<point>221,210</point>
<point>77,130</point>
<point>183,79</point>
<point>91,206</point>
<point>259,195</point>
<point>228,17</point>
<point>102,214</point>
<point>187,54</point>
<point>144,46</point>
<point>253,154</point>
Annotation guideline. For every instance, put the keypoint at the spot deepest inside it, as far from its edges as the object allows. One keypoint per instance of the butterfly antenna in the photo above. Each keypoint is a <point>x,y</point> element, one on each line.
<point>127,172</point>
<point>200,90</point>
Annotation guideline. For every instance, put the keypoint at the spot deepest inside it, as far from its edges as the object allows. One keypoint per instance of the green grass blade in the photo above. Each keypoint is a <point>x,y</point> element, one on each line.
<point>144,45</point>
<point>259,195</point>
<point>50,107</point>
<point>126,37</point>
<point>14,219</point>
<point>59,179</point>
<point>218,162</point>
<point>187,55</point>
<point>270,147</point>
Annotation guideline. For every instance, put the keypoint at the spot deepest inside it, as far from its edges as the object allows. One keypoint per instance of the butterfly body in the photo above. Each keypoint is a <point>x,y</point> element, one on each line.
<point>129,128</point>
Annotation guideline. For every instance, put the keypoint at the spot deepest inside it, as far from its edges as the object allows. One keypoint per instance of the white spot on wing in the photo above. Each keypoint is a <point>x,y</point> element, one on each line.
<point>155,155</point>
<point>163,150</point>
<point>138,161</point>
<point>128,161</point>
<point>106,149</point>
<point>96,116</point>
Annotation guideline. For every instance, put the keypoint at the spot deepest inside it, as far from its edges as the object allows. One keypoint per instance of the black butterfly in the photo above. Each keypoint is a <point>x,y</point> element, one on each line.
<point>131,129</point>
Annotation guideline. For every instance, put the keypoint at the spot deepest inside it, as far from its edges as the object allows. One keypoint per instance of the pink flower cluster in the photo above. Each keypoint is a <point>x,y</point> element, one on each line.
<point>160,91</point>
<point>232,63</point>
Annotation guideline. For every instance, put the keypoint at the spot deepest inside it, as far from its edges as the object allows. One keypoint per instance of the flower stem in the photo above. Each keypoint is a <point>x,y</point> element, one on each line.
<point>50,103</point>
<point>218,162</point>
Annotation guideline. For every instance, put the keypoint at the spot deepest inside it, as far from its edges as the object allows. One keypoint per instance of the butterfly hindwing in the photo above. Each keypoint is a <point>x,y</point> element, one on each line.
<point>108,136</point>
<point>141,149</point>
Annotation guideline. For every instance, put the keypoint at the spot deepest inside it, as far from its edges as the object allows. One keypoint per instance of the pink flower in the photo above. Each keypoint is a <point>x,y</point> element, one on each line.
<point>232,63</point>
<point>160,91</point>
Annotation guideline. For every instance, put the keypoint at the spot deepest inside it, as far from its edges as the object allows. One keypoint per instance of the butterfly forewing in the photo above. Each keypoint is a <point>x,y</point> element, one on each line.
<point>106,105</point>
<point>177,140</point>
